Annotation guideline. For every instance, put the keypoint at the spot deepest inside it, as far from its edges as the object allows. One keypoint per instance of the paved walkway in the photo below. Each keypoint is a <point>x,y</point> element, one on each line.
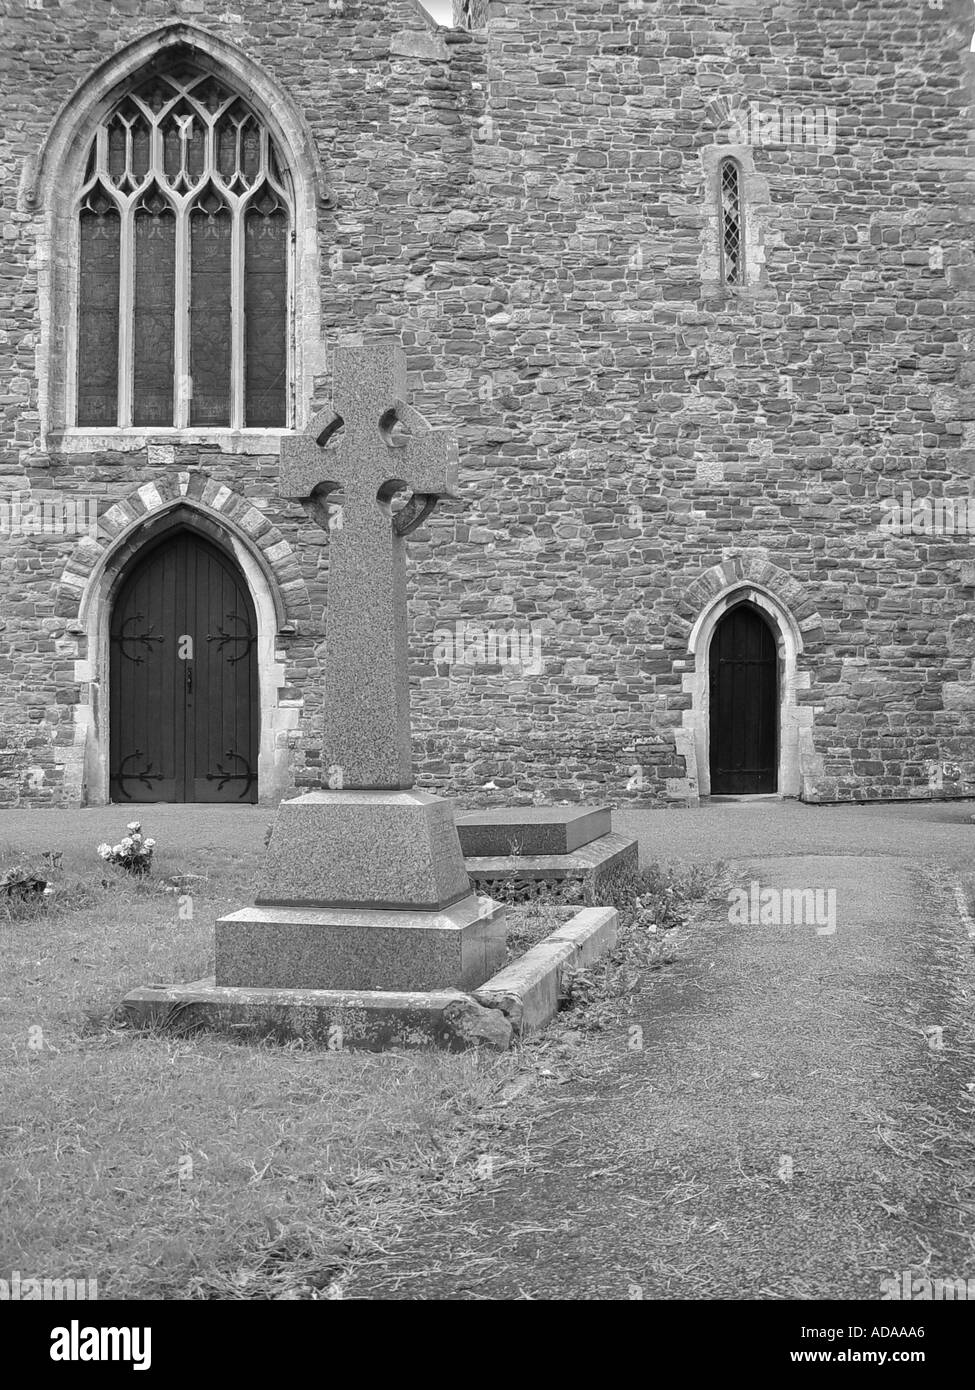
<point>940,831</point>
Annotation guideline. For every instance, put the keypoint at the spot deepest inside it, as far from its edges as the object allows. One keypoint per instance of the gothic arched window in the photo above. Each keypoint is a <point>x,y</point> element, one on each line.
<point>732,224</point>
<point>185,219</point>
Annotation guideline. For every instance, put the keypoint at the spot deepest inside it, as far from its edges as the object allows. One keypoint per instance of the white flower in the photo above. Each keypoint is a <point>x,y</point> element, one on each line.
<point>134,825</point>
<point>149,844</point>
<point>127,842</point>
<point>104,848</point>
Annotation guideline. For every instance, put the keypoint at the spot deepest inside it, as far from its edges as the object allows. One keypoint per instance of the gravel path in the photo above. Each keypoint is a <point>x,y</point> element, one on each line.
<point>933,830</point>
<point>939,831</point>
<point>789,1128</point>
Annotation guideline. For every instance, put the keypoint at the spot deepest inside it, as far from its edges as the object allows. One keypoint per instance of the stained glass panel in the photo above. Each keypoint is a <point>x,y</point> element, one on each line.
<point>210,322</point>
<point>99,314</point>
<point>250,151</point>
<point>140,150</point>
<point>117,156</point>
<point>154,313</point>
<point>266,314</point>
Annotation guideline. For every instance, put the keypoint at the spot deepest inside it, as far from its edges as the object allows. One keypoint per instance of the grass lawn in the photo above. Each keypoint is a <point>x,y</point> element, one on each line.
<point>200,1167</point>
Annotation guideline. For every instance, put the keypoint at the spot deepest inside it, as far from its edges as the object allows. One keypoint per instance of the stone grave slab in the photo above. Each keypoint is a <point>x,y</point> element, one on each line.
<point>523,875</point>
<point>531,830</point>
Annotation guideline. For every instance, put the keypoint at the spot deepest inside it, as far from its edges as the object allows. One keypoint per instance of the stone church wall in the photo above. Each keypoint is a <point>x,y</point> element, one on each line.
<point>531,207</point>
<point>663,430</point>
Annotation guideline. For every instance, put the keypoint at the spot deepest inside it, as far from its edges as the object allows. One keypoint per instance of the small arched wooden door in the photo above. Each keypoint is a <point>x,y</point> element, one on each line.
<point>744,704</point>
<point>184,707</point>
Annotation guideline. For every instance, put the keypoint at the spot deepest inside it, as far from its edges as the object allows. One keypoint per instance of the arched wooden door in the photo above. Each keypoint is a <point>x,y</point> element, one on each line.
<point>184,707</point>
<point>744,701</point>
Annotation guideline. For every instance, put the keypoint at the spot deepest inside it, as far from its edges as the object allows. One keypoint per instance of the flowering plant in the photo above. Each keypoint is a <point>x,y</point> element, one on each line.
<point>133,852</point>
<point>21,882</point>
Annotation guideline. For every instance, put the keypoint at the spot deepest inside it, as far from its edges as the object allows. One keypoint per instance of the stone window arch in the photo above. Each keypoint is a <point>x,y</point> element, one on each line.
<point>80,172</point>
<point>184,262</point>
<point>735,209</point>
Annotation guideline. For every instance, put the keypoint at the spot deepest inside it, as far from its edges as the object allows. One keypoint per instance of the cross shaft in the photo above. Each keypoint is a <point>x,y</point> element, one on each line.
<point>356,456</point>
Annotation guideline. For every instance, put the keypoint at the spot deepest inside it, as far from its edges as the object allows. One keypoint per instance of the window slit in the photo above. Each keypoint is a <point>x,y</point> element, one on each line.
<point>732,227</point>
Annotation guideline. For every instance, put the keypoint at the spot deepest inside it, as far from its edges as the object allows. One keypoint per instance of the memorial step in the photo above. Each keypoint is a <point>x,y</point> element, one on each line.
<point>531,830</point>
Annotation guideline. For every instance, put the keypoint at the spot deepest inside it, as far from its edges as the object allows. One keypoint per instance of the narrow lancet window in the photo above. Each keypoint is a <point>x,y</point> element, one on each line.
<point>732,224</point>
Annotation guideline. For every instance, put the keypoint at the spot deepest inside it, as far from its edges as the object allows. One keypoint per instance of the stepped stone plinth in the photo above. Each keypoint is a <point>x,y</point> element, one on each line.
<point>523,848</point>
<point>532,829</point>
<point>362,890</point>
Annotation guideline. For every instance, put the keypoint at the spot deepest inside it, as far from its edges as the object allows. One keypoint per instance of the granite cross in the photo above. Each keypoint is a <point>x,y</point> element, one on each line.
<point>369,446</point>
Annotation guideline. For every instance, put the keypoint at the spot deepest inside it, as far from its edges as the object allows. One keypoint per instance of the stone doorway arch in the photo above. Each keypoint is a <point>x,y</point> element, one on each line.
<point>743,693</point>
<point>184,711</point>
<point>791,715</point>
<point>87,590</point>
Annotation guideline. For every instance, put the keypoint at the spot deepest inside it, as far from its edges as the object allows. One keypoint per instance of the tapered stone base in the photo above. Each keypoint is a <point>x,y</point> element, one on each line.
<point>458,947</point>
<point>396,850</point>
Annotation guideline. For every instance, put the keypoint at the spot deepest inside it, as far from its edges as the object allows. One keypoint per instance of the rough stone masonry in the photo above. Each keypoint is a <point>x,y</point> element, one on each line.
<point>532,207</point>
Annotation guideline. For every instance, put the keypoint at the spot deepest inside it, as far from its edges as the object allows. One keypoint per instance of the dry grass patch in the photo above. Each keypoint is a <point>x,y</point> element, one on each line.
<point>652,903</point>
<point>200,1168</point>
<point>205,1169</point>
